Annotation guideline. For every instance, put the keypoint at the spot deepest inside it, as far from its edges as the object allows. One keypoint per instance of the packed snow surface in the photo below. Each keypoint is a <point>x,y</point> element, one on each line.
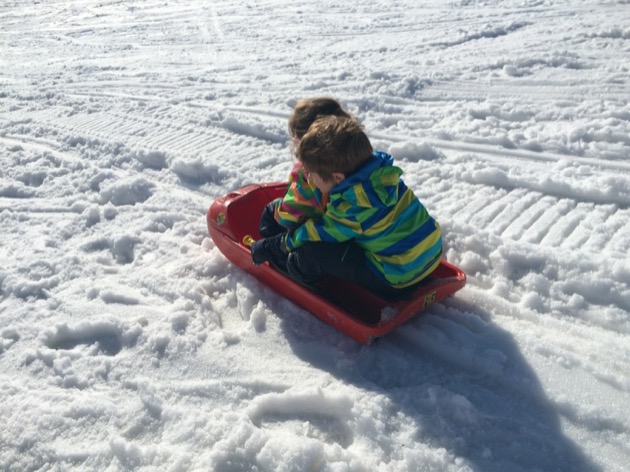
<point>129,342</point>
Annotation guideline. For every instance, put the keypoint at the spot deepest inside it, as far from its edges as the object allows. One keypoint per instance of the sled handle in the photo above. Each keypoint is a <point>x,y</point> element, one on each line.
<point>248,240</point>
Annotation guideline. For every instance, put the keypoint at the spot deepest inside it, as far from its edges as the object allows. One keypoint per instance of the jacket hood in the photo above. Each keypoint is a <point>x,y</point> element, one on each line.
<point>378,177</point>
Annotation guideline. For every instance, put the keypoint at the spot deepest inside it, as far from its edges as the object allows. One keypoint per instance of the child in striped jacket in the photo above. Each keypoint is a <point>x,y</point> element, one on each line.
<point>375,232</point>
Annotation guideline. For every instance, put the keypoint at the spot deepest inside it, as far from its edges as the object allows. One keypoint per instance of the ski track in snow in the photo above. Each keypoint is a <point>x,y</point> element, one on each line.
<point>128,342</point>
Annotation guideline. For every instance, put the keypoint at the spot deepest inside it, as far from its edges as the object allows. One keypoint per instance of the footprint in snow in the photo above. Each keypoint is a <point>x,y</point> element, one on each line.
<point>122,248</point>
<point>310,413</point>
<point>8,337</point>
<point>96,338</point>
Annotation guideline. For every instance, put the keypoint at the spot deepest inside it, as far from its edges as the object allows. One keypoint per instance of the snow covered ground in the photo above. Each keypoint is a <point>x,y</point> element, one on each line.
<point>127,340</point>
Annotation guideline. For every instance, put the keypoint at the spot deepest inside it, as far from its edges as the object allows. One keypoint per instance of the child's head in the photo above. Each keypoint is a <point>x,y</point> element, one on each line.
<point>306,111</point>
<point>333,148</point>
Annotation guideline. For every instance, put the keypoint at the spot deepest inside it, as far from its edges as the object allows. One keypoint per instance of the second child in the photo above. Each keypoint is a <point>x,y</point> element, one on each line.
<point>302,200</point>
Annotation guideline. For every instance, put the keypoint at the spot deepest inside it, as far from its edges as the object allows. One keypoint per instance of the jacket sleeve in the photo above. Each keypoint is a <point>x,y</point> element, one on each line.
<point>335,226</point>
<point>301,201</point>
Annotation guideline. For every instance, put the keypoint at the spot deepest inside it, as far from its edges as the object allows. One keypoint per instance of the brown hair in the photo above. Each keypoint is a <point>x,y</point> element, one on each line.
<point>307,110</point>
<point>334,144</point>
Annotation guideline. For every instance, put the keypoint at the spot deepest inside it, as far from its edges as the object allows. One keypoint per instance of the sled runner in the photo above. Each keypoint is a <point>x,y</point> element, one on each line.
<point>233,220</point>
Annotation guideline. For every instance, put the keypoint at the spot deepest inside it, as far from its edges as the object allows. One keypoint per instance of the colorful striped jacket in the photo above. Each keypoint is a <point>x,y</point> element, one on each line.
<point>374,207</point>
<point>302,200</point>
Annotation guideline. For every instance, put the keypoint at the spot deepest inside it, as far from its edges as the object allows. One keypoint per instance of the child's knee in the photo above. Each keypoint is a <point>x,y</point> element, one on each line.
<point>268,225</point>
<point>302,266</point>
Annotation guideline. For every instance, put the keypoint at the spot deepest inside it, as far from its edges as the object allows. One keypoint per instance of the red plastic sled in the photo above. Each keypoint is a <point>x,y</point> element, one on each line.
<point>349,308</point>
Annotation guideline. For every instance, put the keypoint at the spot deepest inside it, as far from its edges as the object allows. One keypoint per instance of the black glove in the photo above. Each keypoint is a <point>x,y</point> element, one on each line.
<point>270,249</point>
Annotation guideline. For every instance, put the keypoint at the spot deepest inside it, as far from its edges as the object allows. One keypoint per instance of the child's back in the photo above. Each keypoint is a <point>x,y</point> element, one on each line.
<point>374,208</point>
<point>375,232</point>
